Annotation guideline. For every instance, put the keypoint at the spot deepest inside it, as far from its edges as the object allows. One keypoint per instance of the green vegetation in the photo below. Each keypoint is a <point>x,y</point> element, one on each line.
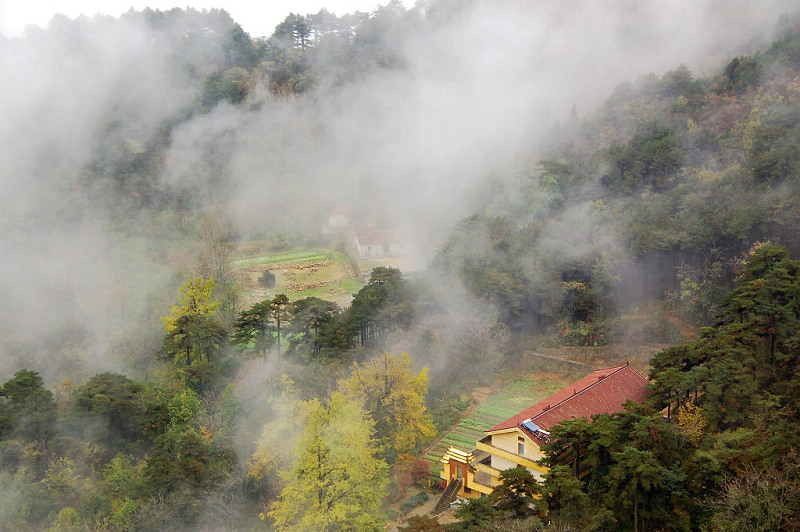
<point>512,399</point>
<point>687,173</point>
<point>302,273</point>
<point>267,279</point>
<point>287,410</point>
<point>732,396</point>
<point>724,459</point>
<point>414,501</point>
<point>302,255</point>
<point>336,482</point>
<point>395,398</point>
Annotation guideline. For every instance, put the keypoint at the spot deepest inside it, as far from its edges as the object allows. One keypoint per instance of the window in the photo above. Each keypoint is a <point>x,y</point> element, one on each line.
<point>520,449</point>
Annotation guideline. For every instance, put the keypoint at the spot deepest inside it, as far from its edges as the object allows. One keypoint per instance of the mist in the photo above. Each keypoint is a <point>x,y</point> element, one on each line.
<point>474,93</point>
<point>475,96</point>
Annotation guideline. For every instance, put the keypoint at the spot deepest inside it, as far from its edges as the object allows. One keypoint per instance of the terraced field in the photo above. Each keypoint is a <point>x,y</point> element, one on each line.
<point>512,399</point>
<point>300,273</point>
<point>302,255</point>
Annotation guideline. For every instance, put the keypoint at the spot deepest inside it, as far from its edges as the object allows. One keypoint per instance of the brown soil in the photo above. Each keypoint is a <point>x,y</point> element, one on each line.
<point>480,395</point>
<point>294,277</point>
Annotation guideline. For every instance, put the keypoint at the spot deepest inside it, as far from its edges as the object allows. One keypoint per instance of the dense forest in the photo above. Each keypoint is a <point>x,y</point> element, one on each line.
<point>142,388</point>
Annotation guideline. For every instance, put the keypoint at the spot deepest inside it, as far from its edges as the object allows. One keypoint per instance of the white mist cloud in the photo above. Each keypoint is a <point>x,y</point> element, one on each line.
<point>474,96</point>
<point>257,18</point>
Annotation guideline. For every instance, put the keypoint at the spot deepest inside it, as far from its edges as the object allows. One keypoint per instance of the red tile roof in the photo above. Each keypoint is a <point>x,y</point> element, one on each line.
<point>602,391</point>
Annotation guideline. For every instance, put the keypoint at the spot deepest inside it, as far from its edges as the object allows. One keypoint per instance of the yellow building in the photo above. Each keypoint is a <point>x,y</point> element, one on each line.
<point>518,441</point>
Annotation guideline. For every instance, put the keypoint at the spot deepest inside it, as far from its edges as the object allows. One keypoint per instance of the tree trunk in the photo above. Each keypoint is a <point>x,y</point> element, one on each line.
<point>575,451</point>
<point>279,333</point>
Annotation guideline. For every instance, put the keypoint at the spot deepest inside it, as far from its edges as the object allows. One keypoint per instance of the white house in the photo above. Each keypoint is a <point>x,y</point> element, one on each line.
<point>377,244</point>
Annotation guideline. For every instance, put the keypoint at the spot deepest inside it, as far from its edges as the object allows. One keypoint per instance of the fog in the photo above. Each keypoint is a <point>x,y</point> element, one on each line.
<point>477,90</point>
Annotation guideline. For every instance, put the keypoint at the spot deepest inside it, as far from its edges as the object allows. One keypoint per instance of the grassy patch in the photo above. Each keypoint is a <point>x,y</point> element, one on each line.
<point>300,255</point>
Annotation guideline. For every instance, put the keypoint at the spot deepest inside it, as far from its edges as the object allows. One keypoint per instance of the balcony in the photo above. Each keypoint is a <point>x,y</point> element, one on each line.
<point>485,446</point>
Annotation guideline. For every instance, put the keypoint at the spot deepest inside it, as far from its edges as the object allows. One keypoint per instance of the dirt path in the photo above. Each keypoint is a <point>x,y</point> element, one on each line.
<point>562,360</point>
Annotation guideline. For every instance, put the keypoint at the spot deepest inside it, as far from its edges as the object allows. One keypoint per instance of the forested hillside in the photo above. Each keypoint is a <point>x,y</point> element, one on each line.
<point>670,183</point>
<point>147,159</point>
<point>713,448</point>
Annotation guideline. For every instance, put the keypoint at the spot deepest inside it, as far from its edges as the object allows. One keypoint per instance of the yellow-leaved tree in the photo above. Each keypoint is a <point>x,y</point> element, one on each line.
<point>691,422</point>
<point>195,299</point>
<point>336,482</point>
<point>394,396</point>
<point>278,443</point>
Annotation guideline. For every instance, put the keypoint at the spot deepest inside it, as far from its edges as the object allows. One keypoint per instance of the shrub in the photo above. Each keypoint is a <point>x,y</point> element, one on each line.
<point>267,279</point>
<point>414,501</point>
<point>591,333</point>
<point>420,471</point>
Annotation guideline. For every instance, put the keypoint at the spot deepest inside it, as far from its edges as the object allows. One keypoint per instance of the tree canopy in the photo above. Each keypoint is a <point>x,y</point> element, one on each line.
<point>394,396</point>
<point>336,482</point>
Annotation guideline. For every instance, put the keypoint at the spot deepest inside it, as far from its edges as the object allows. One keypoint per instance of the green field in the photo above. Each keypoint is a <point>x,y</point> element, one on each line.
<point>300,255</point>
<point>301,274</point>
<point>511,400</point>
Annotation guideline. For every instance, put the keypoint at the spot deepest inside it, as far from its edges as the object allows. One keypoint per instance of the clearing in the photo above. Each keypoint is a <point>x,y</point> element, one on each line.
<point>301,273</point>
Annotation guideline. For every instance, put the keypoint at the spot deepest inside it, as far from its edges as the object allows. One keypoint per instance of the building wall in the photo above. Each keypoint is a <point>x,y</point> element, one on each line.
<point>377,250</point>
<point>538,475</point>
<point>503,449</point>
<point>371,250</point>
<point>502,464</point>
<point>477,489</point>
<point>457,470</point>
<point>506,441</point>
<point>509,441</point>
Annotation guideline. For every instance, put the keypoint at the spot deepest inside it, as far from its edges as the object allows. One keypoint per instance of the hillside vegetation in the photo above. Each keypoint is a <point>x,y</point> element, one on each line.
<point>182,347</point>
<point>669,183</point>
